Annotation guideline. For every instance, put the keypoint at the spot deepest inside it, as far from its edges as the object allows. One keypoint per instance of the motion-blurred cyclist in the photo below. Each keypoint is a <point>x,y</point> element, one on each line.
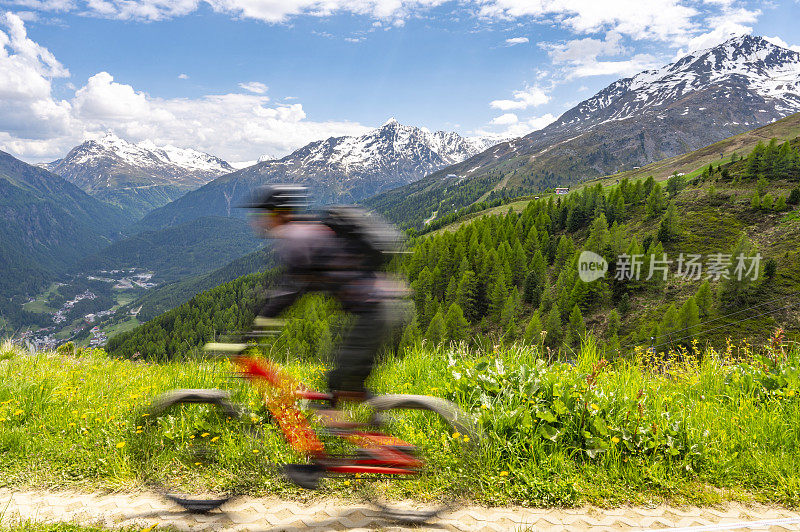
<point>318,257</point>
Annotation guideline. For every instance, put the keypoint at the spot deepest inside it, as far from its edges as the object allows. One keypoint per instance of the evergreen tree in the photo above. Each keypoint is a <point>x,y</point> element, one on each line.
<point>704,299</point>
<point>755,201</point>
<point>553,327</point>
<point>767,202</point>
<point>655,202</point>
<point>689,318</point>
<point>577,327</point>
<point>794,197</point>
<point>456,324</point>
<point>613,323</point>
<point>466,295</point>
<point>533,331</point>
<point>780,204</point>
<point>535,280</point>
<point>437,332</point>
<point>668,229</point>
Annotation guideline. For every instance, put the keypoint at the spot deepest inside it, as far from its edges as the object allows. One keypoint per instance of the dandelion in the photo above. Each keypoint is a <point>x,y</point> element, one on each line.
<point>71,425</point>
<point>456,435</point>
<point>215,438</point>
<point>205,435</point>
<point>120,445</point>
<point>255,451</point>
<point>595,407</point>
<point>346,482</point>
<point>503,473</point>
<point>615,439</point>
<point>466,439</point>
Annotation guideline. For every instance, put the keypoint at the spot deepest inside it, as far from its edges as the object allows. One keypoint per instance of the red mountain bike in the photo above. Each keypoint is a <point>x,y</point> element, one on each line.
<point>199,448</point>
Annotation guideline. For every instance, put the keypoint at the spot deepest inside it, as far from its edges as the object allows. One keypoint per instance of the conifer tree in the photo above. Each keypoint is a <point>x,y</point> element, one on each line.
<point>704,299</point>
<point>456,324</point>
<point>533,331</point>
<point>577,327</point>
<point>437,332</point>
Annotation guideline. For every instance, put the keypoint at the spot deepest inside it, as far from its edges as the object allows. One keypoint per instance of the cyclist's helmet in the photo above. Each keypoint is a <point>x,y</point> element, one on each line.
<point>279,198</point>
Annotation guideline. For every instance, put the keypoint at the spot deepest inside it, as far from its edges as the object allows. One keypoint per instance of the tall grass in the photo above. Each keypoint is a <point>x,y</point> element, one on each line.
<point>692,426</point>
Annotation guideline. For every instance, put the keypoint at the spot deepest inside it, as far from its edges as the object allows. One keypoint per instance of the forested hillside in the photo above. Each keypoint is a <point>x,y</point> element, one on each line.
<point>515,277</point>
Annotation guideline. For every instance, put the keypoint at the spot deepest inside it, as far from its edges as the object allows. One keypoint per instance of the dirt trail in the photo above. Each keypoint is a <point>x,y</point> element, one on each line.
<point>142,509</point>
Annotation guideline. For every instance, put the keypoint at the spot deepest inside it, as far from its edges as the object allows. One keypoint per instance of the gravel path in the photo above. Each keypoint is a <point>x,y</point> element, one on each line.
<point>142,509</point>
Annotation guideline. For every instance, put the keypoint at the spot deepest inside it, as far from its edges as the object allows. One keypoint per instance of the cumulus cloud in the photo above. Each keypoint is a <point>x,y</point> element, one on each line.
<point>516,40</point>
<point>505,119</point>
<point>26,69</point>
<point>664,20</point>
<point>530,97</point>
<point>183,76</point>
<point>580,58</point>
<point>729,22</point>
<point>254,87</point>
<point>36,125</point>
<point>516,127</point>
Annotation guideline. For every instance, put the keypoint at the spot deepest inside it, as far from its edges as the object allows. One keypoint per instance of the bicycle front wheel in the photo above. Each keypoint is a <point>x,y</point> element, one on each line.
<point>197,449</point>
<point>442,438</point>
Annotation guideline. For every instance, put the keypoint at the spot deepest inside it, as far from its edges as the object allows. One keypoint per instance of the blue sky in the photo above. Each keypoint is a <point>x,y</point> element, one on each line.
<point>243,78</point>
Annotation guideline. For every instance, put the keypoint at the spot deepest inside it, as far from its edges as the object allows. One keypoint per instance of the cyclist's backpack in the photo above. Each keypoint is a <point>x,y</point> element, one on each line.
<point>367,234</point>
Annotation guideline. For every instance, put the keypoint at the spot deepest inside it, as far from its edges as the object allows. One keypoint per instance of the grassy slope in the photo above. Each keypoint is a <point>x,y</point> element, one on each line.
<point>560,434</point>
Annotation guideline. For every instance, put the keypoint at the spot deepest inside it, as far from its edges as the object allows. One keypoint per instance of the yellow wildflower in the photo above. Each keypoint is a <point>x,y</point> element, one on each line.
<point>215,438</point>
<point>18,413</point>
<point>503,473</point>
<point>456,435</point>
<point>595,407</point>
<point>615,439</point>
<point>120,445</point>
<point>205,435</point>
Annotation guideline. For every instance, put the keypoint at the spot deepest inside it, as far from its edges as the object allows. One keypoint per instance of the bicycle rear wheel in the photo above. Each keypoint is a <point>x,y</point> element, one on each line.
<point>441,437</point>
<point>193,445</point>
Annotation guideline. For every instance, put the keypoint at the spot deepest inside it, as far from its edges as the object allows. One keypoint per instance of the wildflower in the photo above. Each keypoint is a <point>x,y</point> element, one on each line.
<point>205,435</point>
<point>150,528</point>
<point>139,431</point>
<point>6,402</point>
<point>615,439</point>
<point>503,473</point>
<point>255,451</point>
<point>466,439</point>
<point>456,435</point>
<point>18,413</point>
<point>215,438</point>
<point>71,425</point>
<point>595,407</point>
<point>120,445</point>
<point>346,482</point>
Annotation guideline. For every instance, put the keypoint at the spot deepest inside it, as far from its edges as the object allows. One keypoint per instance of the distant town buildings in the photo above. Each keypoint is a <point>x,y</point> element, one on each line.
<point>562,190</point>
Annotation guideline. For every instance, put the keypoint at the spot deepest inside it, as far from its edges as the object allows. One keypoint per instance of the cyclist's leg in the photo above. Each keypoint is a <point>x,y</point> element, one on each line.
<point>356,356</point>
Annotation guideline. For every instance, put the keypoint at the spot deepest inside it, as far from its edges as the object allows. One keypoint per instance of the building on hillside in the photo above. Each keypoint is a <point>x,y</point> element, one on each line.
<point>562,190</point>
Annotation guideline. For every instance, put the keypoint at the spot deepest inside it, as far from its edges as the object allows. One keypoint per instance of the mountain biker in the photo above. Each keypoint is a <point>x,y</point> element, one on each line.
<point>316,258</point>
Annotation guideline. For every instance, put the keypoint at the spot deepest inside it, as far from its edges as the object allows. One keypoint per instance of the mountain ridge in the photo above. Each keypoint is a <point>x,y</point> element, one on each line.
<point>336,169</point>
<point>693,102</point>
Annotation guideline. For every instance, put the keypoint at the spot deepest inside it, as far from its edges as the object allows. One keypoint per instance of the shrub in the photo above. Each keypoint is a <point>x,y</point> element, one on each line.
<point>66,349</point>
<point>794,197</point>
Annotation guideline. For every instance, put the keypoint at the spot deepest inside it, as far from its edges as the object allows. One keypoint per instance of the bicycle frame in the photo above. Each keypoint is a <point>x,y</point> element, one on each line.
<point>281,400</point>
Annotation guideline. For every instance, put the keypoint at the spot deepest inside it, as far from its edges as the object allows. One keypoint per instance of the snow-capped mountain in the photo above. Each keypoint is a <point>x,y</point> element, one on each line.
<point>337,169</point>
<point>702,98</point>
<point>744,64</point>
<point>137,177</point>
<point>399,153</point>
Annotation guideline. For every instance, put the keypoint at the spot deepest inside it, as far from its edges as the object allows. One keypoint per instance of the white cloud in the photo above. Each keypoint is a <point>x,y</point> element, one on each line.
<point>518,128</point>
<point>392,11</point>
<point>777,41</point>
<point>26,69</point>
<point>729,22</point>
<point>238,127</point>
<point>664,20</point>
<point>254,87</point>
<point>183,76</point>
<point>581,57</point>
<point>516,40</point>
<point>505,120</point>
<point>530,97</point>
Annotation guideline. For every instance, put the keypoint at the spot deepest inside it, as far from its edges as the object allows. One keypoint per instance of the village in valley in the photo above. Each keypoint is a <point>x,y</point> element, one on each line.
<point>84,308</point>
